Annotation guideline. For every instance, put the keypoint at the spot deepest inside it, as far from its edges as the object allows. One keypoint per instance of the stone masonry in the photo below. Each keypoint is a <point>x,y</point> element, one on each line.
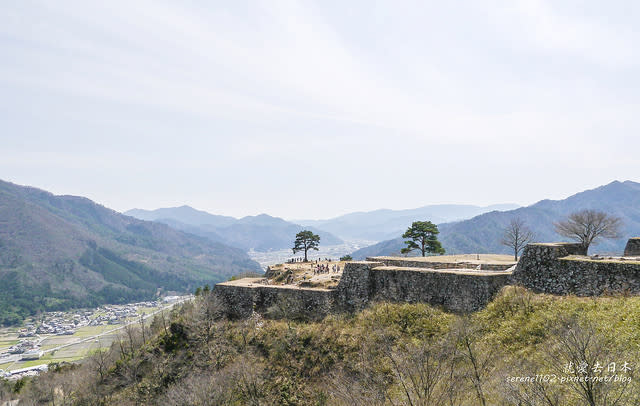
<point>555,268</point>
<point>633,247</point>
<point>417,263</point>
<point>362,282</point>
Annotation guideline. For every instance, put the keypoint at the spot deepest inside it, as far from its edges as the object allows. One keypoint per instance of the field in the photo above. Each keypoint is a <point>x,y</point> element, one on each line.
<point>68,348</point>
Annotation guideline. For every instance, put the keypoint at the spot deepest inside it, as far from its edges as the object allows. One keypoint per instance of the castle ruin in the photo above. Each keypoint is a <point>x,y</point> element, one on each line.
<point>464,286</point>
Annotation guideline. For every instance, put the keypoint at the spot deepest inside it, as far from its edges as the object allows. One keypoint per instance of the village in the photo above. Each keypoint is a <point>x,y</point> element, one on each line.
<point>68,336</point>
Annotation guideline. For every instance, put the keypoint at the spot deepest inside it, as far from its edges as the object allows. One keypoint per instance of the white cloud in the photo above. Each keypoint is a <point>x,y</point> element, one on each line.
<point>543,27</point>
<point>532,88</point>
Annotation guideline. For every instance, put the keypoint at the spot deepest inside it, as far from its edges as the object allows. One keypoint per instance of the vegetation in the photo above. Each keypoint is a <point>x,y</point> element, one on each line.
<point>59,252</point>
<point>306,240</point>
<point>346,258</point>
<point>587,226</point>
<point>389,354</point>
<point>423,236</point>
<point>516,236</point>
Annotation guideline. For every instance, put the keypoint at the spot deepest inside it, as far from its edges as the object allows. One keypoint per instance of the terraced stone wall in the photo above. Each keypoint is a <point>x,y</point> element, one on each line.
<point>557,269</point>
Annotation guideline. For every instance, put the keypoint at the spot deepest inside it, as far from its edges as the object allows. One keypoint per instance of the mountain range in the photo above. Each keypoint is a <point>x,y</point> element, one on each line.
<point>383,224</point>
<point>58,252</point>
<point>259,233</point>
<point>482,234</point>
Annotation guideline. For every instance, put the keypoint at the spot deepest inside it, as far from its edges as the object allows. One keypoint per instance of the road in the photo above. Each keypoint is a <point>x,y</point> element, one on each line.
<point>16,357</point>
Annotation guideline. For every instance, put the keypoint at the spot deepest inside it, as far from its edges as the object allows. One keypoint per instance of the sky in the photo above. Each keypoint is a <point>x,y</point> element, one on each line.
<point>316,109</point>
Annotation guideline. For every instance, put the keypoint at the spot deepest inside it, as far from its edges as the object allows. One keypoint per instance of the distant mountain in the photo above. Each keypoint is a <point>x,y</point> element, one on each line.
<point>58,252</point>
<point>482,233</point>
<point>184,214</point>
<point>260,233</point>
<point>384,223</point>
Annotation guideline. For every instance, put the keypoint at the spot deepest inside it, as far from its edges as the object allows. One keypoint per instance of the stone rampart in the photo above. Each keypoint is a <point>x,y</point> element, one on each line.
<point>633,247</point>
<point>555,268</point>
<point>453,290</point>
<point>417,263</point>
<point>364,282</point>
<point>248,295</point>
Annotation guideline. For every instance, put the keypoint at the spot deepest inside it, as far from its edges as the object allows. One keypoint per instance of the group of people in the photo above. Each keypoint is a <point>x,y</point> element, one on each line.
<point>324,268</point>
<point>301,259</point>
<point>294,260</point>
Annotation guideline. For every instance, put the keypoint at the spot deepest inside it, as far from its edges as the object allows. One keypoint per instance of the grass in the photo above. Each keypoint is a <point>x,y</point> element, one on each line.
<point>8,343</point>
<point>146,310</point>
<point>89,331</point>
<point>47,359</point>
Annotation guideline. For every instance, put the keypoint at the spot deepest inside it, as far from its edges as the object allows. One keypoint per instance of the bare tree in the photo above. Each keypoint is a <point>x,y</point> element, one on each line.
<point>587,226</point>
<point>576,350</point>
<point>478,359</point>
<point>516,236</point>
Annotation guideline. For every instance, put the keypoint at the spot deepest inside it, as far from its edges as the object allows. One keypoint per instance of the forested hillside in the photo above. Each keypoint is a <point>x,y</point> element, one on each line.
<point>260,233</point>
<point>58,252</point>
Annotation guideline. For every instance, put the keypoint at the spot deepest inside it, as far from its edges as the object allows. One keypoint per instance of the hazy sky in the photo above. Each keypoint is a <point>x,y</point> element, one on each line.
<point>314,109</point>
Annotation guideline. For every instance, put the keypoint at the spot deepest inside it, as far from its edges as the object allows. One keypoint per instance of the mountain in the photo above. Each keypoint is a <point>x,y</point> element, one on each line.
<point>58,252</point>
<point>384,223</point>
<point>482,234</point>
<point>260,233</point>
<point>184,214</point>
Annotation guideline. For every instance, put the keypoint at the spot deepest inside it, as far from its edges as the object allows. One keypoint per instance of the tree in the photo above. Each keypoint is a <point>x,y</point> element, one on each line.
<point>346,258</point>
<point>587,226</point>
<point>516,236</point>
<point>305,241</point>
<point>423,236</point>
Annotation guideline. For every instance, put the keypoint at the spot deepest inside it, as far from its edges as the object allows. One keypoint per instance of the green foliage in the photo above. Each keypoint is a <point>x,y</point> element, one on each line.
<point>59,252</point>
<point>175,339</point>
<point>386,354</point>
<point>346,258</point>
<point>19,384</point>
<point>423,236</point>
<point>306,240</point>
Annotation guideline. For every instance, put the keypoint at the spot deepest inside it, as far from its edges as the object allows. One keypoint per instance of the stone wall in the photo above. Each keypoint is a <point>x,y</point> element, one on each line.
<point>362,283</point>
<point>354,289</point>
<point>556,269</point>
<point>633,247</point>
<point>416,263</point>
<point>241,300</point>
<point>453,290</point>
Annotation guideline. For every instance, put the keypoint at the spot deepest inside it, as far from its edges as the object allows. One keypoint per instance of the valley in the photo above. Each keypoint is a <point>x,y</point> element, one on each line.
<point>70,336</point>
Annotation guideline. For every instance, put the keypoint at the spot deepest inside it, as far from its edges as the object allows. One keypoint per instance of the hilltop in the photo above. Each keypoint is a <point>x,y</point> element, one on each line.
<point>482,233</point>
<point>260,233</point>
<point>58,252</point>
